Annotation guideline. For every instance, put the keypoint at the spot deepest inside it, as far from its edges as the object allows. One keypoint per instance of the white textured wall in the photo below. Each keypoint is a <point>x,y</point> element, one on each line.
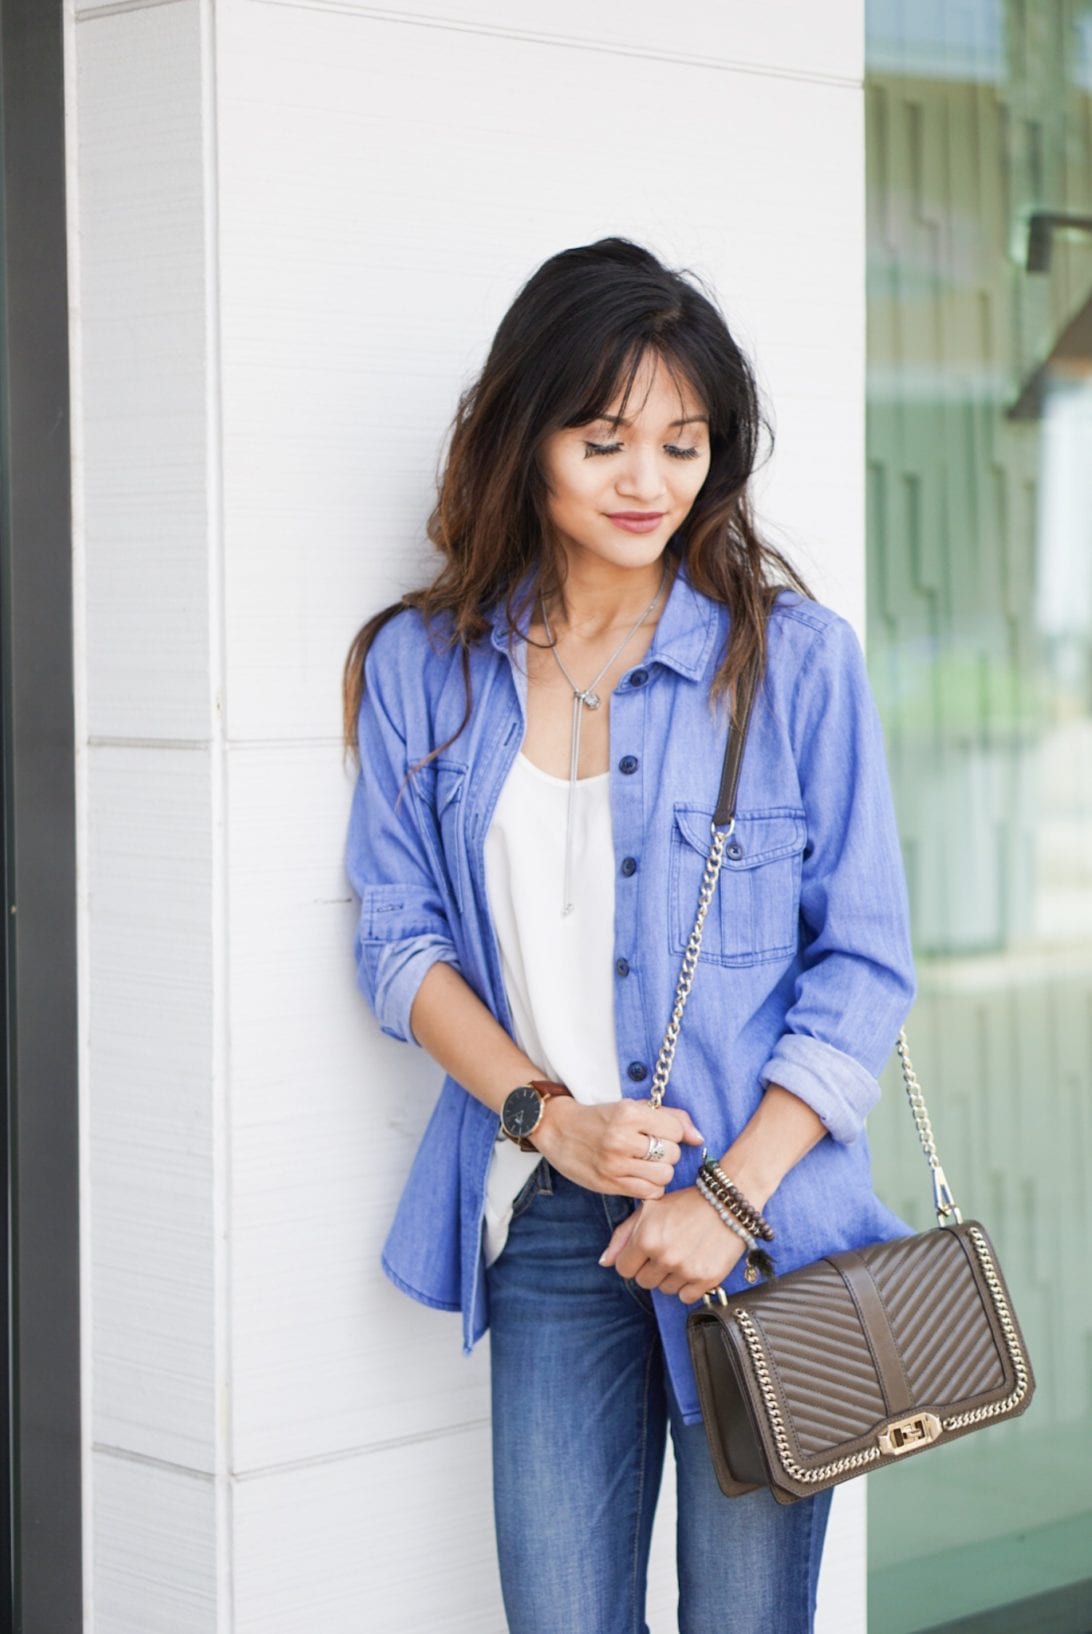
<point>294,229</point>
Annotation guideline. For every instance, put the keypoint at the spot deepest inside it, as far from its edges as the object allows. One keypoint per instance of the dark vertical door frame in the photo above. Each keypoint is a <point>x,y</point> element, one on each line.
<point>42,1571</point>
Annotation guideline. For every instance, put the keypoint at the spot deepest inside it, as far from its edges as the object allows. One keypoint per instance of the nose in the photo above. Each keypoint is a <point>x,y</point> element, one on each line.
<point>640,479</point>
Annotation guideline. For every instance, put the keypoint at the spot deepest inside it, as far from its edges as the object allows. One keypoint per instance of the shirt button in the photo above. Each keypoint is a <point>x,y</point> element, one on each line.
<point>638,678</point>
<point>735,850</point>
<point>637,1069</point>
<point>628,763</point>
<point>622,966</point>
<point>629,865</point>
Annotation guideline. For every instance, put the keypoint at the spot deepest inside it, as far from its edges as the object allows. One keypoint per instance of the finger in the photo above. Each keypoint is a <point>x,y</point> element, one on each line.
<point>671,1284</point>
<point>690,1291</point>
<point>650,1275</point>
<point>630,1261</point>
<point>672,1151</point>
<point>631,1253</point>
<point>675,1123</point>
<point>660,1170</point>
<point>693,1135</point>
<point>643,1185</point>
<point>619,1238</point>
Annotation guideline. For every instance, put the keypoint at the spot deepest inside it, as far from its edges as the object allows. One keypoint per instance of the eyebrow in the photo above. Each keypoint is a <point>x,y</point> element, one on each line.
<point>619,420</point>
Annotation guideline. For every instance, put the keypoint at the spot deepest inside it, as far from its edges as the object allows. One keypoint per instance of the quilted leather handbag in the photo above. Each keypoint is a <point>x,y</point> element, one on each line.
<point>862,1358</point>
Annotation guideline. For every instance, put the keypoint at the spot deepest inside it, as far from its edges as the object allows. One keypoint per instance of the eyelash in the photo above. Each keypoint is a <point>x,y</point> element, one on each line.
<point>612,448</point>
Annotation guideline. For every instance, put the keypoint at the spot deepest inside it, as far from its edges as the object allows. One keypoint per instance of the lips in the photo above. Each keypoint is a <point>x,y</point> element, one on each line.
<point>637,521</point>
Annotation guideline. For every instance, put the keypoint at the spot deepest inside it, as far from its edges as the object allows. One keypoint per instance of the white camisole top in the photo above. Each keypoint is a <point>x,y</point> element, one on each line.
<point>557,969</point>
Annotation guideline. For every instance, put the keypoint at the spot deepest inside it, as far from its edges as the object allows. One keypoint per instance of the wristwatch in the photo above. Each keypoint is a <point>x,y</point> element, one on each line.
<point>523,1109</point>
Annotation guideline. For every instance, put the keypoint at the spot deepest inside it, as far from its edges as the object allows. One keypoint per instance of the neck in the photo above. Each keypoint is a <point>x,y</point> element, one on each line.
<point>598,598</point>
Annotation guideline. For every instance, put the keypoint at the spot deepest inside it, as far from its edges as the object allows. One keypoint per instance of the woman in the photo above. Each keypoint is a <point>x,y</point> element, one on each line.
<point>541,732</point>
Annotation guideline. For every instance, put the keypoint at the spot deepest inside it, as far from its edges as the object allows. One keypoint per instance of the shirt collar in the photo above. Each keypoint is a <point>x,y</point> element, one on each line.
<point>682,638</point>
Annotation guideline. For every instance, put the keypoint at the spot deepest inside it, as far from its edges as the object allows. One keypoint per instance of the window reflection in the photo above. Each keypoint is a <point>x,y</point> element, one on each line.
<point>979,162</point>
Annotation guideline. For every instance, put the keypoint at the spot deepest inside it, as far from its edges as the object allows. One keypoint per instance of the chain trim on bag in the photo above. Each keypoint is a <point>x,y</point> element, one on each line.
<point>777,1424</point>
<point>869,1455</point>
<point>1008,1328</point>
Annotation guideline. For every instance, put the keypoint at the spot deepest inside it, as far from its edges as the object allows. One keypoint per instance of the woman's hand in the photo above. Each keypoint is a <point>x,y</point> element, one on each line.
<point>677,1244</point>
<point>602,1145</point>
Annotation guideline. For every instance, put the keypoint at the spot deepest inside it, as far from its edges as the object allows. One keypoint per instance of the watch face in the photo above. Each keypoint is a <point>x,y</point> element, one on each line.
<point>522,1110</point>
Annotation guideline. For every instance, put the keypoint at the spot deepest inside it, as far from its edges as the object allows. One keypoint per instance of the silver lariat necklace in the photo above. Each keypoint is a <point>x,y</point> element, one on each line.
<point>589,697</point>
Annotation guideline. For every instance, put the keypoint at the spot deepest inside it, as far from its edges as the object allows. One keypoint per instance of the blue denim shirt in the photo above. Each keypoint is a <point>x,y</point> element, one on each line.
<point>805,973</point>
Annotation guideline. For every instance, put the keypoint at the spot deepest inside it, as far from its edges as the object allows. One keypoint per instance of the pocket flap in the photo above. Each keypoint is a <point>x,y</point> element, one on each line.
<point>759,836</point>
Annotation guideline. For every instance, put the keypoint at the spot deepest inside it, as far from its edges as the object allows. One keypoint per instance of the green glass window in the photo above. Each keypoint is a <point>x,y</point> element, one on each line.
<point>979,167</point>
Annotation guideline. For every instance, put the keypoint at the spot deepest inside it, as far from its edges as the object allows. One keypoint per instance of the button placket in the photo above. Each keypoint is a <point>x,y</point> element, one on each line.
<point>628,723</point>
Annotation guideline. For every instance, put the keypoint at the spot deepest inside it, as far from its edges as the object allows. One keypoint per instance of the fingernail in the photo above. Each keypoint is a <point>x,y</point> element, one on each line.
<point>603,1257</point>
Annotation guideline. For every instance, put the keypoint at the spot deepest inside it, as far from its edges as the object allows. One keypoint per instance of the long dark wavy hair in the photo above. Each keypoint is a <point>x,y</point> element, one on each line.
<point>576,332</point>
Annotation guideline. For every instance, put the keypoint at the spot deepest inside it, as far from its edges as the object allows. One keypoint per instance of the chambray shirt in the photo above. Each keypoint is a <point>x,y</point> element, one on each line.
<point>805,973</point>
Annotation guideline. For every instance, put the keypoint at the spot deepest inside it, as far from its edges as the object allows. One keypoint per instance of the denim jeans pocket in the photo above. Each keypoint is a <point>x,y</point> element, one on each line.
<point>529,1190</point>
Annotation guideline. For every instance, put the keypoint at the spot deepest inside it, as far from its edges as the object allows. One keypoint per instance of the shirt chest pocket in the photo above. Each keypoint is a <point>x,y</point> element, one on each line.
<point>754,913</point>
<point>441,789</point>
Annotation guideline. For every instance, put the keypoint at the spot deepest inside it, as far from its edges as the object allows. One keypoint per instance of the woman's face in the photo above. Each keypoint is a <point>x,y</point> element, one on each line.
<point>600,473</point>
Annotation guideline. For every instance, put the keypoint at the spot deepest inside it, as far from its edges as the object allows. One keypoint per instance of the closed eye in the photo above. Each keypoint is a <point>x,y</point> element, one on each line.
<point>612,448</point>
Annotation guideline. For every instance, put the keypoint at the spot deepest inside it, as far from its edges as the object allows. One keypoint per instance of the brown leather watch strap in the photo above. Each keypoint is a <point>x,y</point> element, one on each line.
<point>549,1086</point>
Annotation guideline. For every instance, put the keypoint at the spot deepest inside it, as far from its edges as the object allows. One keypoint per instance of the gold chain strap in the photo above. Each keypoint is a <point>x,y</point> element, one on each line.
<point>689,962</point>
<point>993,1409</point>
<point>943,1201</point>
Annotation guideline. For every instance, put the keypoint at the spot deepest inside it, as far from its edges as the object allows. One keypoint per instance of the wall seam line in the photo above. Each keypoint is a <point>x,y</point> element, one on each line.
<point>612,48</point>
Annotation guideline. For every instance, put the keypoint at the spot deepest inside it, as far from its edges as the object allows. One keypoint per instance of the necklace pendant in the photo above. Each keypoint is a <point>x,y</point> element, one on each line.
<point>591,699</point>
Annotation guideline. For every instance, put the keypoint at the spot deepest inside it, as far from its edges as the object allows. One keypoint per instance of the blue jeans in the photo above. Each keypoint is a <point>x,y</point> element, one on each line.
<point>581,1405</point>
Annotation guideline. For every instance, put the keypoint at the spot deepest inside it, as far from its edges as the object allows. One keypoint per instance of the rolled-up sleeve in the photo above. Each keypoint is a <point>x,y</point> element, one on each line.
<point>403,928</point>
<point>857,980</point>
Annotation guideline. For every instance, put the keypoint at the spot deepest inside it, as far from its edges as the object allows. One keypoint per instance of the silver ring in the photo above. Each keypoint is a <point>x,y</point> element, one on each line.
<point>655,1149</point>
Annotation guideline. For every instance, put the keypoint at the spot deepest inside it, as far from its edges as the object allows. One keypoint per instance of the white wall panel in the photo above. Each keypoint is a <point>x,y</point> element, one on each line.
<point>154,1552</point>
<point>145,673</point>
<point>373,234</point>
<point>399,1539</point>
<point>141,296</point>
<point>842,1606</point>
<point>150,1088</point>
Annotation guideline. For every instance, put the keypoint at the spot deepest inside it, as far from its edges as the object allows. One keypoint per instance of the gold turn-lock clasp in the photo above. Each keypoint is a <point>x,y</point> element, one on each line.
<point>715,1293</point>
<point>907,1433</point>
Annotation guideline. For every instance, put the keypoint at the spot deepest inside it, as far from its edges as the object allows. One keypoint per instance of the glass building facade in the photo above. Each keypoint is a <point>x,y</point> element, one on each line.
<point>979,178</point>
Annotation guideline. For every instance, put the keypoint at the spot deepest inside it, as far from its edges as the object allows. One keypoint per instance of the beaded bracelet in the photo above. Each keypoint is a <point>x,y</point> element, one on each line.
<point>733,1198</point>
<point>732,1202</point>
<point>729,1219</point>
<point>731,1195</point>
<point>758,1261</point>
